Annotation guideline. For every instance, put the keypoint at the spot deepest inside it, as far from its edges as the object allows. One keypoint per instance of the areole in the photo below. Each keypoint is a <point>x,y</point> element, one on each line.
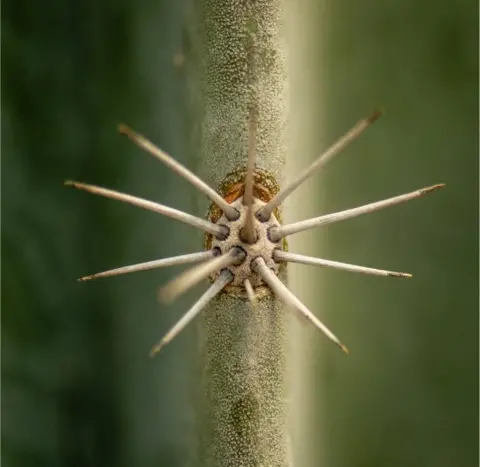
<point>245,246</point>
<point>232,189</point>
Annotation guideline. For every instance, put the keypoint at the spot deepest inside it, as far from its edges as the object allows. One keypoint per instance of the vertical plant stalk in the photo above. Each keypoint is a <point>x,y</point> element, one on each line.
<point>243,348</point>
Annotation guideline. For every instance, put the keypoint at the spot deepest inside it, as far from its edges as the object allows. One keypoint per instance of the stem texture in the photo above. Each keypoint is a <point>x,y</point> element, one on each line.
<point>243,350</point>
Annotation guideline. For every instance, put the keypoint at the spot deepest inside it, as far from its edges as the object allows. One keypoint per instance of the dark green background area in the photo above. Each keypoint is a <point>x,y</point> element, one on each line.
<point>78,386</point>
<point>408,393</point>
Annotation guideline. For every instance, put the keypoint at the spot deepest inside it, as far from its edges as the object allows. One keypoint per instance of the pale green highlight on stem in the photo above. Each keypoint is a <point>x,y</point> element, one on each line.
<point>307,137</point>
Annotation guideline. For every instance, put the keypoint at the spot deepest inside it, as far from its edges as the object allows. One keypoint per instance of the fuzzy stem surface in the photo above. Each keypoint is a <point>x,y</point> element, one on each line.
<point>242,411</point>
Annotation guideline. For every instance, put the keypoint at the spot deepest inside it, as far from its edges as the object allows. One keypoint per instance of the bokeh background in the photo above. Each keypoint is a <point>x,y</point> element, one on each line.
<point>78,387</point>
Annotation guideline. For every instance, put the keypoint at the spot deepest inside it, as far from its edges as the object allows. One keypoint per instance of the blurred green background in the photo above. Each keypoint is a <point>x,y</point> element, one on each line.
<point>78,386</point>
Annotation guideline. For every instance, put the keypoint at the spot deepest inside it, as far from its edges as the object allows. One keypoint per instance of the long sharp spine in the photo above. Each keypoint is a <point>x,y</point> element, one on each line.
<point>181,216</point>
<point>159,263</point>
<point>223,279</point>
<point>308,224</point>
<point>264,213</point>
<point>179,169</point>
<point>193,276</point>
<point>280,255</point>
<point>279,289</point>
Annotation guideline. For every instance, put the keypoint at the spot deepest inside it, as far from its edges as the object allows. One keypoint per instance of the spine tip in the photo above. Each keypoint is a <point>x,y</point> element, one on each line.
<point>400,274</point>
<point>156,349</point>
<point>375,116</point>
<point>124,130</point>
<point>433,188</point>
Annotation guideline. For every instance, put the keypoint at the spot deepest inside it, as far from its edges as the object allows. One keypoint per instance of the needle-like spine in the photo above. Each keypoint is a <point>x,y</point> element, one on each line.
<point>179,169</point>
<point>337,147</point>
<point>223,279</point>
<point>207,226</point>
<point>281,291</point>
<point>193,276</point>
<point>248,228</point>
<point>159,263</point>
<point>289,229</point>
<point>280,255</point>
<point>250,293</point>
